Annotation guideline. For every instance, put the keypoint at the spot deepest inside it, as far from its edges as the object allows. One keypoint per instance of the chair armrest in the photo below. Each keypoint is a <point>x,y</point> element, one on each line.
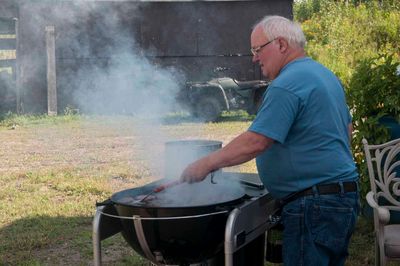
<point>383,213</point>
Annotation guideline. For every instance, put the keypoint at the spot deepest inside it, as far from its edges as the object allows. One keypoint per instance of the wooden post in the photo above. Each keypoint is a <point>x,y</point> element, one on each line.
<point>51,71</point>
<point>17,70</point>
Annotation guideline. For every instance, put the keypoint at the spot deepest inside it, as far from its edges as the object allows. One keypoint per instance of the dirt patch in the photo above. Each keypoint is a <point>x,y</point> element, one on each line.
<point>85,145</point>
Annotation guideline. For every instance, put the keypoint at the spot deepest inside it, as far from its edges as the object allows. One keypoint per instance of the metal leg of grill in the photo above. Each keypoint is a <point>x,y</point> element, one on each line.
<point>96,237</point>
<point>142,240</point>
<point>244,238</point>
<point>105,224</point>
<point>229,238</point>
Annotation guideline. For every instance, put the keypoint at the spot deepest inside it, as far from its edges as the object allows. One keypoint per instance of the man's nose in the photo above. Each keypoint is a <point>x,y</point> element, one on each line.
<point>255,58</point>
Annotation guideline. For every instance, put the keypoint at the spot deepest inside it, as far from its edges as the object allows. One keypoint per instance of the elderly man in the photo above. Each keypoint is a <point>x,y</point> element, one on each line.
<point>301,141</point>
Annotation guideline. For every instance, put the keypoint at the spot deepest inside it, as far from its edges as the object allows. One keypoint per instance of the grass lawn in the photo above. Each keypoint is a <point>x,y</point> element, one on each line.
<point>54,169</point>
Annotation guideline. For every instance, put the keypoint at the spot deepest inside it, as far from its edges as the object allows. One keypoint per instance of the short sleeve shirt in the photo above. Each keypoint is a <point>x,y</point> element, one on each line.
<point>304,110</point>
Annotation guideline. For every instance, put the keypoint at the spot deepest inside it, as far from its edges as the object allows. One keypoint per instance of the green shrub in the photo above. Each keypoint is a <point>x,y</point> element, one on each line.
<point>373,93</point>
<point>304,10</point>
<point>342,33</point>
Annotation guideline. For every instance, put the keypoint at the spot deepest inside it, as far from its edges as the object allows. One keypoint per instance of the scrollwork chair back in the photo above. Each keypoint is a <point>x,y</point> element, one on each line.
<point>383,162</point>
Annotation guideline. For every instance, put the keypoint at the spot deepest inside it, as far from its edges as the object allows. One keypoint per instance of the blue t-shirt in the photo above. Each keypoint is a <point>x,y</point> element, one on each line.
<point>304,110</point>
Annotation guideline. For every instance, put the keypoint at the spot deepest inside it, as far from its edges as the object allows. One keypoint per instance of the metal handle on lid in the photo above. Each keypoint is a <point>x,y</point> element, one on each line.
<point>180,217</point>
<point>136,217</point>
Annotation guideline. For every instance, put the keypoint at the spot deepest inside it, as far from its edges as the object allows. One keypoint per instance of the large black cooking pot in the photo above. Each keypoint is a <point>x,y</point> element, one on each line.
<point>181,225</point>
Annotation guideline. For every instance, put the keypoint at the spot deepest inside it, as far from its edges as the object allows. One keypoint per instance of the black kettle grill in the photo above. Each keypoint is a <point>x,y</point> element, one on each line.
<point>230,233</point>
<point>225,227</point>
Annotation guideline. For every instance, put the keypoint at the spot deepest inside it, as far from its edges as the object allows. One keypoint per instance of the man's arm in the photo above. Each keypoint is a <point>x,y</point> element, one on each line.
<point>243,148</point>
<point>350,131</point>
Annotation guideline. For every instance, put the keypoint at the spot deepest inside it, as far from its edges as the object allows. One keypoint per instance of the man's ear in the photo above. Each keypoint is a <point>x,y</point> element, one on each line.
<point>283,45</point>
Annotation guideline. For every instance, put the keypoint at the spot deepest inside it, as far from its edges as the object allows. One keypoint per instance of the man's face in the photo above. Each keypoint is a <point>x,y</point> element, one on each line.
<point>265,52</point>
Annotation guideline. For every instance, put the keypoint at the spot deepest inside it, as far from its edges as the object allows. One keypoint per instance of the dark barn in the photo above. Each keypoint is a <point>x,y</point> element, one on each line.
<point>104,48</point>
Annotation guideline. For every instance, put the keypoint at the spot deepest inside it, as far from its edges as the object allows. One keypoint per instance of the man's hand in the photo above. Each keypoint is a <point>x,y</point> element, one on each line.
<point>243,148</point>
<point>196,171</point>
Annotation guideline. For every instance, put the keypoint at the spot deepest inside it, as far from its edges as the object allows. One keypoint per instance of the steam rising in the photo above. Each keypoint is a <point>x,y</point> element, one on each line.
<point>100,68</point>
<point>128,85</point>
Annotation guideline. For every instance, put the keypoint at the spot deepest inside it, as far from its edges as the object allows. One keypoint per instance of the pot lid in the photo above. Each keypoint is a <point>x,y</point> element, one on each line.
<point>185,195</point>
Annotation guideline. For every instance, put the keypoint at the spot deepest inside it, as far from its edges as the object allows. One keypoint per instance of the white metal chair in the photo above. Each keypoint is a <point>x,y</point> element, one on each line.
<point>383,163</point>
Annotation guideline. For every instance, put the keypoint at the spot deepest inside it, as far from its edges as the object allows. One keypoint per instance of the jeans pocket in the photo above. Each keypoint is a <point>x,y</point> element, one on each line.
<point>293,223</point>
<point>292,218</point>
<point>332,224</point>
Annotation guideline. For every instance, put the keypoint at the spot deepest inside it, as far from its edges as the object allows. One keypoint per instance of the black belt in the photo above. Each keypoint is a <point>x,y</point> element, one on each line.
<point>325,189</point>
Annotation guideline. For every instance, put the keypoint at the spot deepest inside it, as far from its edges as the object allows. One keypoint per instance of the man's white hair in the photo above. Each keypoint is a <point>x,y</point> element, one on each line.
<point>277,26</point>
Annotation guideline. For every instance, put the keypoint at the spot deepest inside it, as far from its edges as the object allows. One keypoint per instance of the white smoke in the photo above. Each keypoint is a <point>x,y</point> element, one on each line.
<point>100,67</point>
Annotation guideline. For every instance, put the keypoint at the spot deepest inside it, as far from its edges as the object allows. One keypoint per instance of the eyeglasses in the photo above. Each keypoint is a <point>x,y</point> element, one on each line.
<point>256,50</point>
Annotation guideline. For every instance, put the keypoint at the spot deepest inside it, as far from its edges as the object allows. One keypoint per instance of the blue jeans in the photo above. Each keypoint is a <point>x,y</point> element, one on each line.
<point>317,229</point>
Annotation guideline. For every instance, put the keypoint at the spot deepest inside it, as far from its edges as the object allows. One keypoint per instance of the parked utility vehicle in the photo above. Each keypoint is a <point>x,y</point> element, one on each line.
<point>206,100</point>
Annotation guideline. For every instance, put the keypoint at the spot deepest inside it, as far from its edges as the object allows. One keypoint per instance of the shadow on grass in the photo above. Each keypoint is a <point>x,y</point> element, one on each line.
<point>28,239</point>
<point>46,240</point>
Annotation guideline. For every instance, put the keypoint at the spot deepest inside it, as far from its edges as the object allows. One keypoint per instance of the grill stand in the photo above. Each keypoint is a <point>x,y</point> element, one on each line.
<point>244,231</point>
<point>96,236</point>
<point>243,234</point>
<point>103,227</point>
<point>142,240</point>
